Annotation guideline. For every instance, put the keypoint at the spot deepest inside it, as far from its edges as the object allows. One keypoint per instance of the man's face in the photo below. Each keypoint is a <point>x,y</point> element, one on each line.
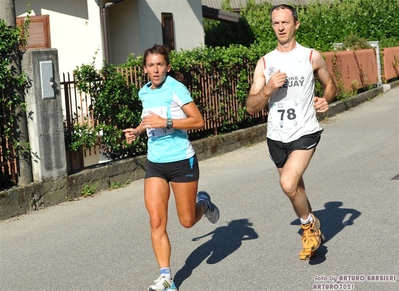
<point>284,25</point>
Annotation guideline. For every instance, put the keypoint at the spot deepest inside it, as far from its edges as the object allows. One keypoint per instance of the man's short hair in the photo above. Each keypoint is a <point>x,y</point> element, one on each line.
<point>285,6</point>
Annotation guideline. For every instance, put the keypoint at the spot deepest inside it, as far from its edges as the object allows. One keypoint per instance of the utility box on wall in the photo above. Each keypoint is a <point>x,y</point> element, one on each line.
<point>47,79</point>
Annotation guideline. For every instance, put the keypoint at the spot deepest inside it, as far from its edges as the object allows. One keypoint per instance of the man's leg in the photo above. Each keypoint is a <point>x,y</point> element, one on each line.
<point>292,183</point>
<point>301,185</point>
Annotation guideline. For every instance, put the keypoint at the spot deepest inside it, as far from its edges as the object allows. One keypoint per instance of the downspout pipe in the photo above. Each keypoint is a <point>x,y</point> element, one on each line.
<point>104,17</point>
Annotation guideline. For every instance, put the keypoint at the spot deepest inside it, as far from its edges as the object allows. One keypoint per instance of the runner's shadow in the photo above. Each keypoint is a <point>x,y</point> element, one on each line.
<point>333,219</point>
<point>225,241</point>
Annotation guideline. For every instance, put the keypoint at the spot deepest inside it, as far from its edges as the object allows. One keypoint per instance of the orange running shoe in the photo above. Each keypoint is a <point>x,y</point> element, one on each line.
<point>312,238</point>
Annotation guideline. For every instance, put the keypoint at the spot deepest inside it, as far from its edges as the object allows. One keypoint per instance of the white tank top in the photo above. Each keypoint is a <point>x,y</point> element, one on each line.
<point>291,111</point>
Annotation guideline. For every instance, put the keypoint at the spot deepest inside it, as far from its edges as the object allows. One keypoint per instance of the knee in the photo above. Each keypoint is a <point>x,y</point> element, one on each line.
<point>187,222</point>
<point>289,187</point>
<point>157,222</point>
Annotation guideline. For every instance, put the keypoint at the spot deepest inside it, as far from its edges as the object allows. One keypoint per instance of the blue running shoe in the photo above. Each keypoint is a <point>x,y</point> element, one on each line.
<point>213,212</point>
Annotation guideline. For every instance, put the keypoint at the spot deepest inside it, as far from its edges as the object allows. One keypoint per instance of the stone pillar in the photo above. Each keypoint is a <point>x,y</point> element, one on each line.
<point>44,113</point>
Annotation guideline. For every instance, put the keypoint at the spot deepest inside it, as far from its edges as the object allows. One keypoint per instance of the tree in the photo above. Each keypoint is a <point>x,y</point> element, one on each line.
<point>7,13</point>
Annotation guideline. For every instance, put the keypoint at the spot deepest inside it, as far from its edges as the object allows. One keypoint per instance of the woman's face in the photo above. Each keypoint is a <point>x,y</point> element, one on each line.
<point>157,69</point>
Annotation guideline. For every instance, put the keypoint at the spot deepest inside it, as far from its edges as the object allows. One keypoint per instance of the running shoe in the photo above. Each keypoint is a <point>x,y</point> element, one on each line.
<point>213,212</point>
<point>312,238</point>
<point>163,284</point>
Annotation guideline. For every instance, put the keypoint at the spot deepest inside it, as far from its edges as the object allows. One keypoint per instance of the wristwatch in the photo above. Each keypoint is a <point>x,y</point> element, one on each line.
<point>169,123</point>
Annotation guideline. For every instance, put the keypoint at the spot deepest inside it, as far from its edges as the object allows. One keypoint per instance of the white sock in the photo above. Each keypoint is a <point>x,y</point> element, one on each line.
<point>166,272</point>
<point>309,219</point>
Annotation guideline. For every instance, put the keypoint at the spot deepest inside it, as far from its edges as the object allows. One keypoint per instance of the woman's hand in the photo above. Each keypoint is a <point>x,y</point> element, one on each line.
<point>131,134</point>
<point>153,121</point>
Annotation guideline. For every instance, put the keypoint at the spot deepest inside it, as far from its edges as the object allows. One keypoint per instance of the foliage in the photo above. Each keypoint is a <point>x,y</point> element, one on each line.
<point>83,136</point>
<point>117,185</point>
<point>219,59</point>
<point>13,83</point>
<point>326,23</point>
<point>89,190</point>
<point>323,23</point>
<point>224,34</point>
<point>353,42</point>
<point>115,106</point>
<point>258,18</point>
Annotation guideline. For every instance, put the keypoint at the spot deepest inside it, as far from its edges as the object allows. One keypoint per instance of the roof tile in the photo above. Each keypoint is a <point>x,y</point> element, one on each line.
<point>241,3</point>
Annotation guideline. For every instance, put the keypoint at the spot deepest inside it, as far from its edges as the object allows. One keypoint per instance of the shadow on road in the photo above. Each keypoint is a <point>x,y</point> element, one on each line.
<point>225,241</point>
<point>333,219</point>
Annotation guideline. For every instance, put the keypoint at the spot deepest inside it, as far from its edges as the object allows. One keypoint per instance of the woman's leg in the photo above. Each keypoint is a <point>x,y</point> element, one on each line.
<point>156,195</point>
<point>188,210</point>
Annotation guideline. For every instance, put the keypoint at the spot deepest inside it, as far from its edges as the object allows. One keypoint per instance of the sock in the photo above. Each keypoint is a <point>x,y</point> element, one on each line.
<point>308,220</point>
<point>166,272</point>
<point>207,206</point>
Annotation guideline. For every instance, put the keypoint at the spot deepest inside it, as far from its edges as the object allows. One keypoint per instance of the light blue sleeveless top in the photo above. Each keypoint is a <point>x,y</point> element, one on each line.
<point>167,145</point>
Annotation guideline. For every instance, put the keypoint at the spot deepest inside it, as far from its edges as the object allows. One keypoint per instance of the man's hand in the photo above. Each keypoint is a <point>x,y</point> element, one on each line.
<point>320,104</point>
<point>260,93</point>
<point>276,81</point>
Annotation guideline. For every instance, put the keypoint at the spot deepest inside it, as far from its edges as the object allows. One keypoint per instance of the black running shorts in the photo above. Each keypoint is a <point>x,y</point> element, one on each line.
<point>180,171</point>
<point>279,151</point>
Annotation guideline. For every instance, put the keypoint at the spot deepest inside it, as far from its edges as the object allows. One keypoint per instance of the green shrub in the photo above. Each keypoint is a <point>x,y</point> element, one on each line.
<point>323,23</point>
<point>222,34</point>
<point>115,106</point>
<point>13,83</point>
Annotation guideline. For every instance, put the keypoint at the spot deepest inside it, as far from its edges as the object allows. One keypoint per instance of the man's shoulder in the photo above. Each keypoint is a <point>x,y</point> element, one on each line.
<point>271,52</point>
<point>303,48</point>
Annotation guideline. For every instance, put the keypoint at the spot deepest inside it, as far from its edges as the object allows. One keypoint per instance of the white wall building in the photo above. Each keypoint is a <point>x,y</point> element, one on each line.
<point>83,29</point>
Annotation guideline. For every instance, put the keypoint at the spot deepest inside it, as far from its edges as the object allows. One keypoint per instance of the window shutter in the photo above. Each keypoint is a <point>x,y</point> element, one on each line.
<point>39,31</point>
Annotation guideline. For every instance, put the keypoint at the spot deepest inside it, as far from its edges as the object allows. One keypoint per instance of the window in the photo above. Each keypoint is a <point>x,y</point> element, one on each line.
<point>167,30</point>
<point>39,31</point>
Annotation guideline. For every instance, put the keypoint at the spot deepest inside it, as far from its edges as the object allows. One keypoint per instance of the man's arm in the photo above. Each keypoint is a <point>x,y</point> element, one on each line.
<point>330,90</point>
<point>260,92</point>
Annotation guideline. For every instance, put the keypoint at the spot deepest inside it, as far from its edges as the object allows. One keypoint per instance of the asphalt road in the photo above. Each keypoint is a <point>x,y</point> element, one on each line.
<point>103,242</point>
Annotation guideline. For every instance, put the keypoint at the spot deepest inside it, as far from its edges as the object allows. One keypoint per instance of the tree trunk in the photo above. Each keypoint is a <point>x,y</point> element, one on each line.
<point>7,13</point>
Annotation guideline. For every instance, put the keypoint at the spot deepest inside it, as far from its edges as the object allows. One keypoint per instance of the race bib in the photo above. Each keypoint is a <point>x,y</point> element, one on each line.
<point>285,114</point>
<point>156,132</point>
